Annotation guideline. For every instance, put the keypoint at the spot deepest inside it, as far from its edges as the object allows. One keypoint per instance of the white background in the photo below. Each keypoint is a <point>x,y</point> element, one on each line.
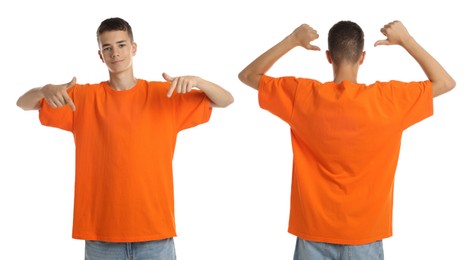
<point>232,175</point>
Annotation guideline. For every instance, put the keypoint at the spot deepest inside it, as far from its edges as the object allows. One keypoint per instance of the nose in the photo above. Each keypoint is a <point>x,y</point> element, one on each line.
<point>115,53</point>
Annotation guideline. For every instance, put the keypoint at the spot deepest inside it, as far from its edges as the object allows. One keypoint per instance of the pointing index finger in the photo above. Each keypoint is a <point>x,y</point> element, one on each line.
<point>70,103</point>
<point>172,87</point>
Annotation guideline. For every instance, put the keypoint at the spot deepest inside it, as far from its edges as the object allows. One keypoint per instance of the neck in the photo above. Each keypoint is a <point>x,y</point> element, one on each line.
<point>122,81</point>
<point>345,71</point>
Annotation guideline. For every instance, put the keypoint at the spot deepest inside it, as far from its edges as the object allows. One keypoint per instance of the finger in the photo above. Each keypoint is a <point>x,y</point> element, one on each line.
<point>66,99</point>
<point>52,102</point>
<point>180,83</point>
<point>61,94</point>
<point>313,47</point>
<point>167,77</point>
<point>171,89</point>
<point>189,87</point>
<point>60,99</point>
<point>69,102</point>
<point>71,83</point>
<point>381,42</point>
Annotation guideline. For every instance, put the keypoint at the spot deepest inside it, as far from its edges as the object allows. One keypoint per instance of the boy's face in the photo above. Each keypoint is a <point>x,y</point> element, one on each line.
<point>116,50</point>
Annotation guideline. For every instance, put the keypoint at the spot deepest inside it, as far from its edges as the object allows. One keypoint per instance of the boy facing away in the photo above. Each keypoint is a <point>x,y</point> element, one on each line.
<point>345,137</point>
<point>125,132</point>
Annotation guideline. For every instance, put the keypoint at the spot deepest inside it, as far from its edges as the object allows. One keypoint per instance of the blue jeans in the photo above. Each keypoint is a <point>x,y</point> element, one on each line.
<point>308,250</point>
<point>151,250</point>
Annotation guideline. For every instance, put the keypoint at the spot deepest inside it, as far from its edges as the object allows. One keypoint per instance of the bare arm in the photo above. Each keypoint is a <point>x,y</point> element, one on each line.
<point>301,36</point>
<point>397,34</point>
<point>30,100</point>
<point>55,95</point>
<point>219,96</point>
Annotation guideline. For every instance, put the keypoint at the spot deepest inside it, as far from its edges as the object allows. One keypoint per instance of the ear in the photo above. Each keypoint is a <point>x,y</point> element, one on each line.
<point>362,57</point>
<point>134,48</point>
<point>328,56</point>
<point>100,56</point>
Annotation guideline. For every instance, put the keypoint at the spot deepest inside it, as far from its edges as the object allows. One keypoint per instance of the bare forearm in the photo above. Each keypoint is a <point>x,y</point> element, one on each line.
<point>440,79</point>
<point>219,96</point>
<point>30,100</point>
<point>301,36</point>
<point>253,72</point>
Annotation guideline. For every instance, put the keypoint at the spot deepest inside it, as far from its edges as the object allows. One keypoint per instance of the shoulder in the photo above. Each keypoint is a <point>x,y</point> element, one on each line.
<point>155,85</point>
<point>89,86</point>
<point>86,87</point>
<point>289,81</point>
<point>402,86</point>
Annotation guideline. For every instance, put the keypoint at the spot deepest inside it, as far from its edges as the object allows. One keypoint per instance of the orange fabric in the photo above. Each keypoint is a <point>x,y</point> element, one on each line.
<point>125,142</point>
<point>346,141</point>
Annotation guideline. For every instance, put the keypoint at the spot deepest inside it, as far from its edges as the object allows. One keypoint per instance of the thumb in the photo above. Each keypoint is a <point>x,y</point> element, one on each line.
<point>313,47</point>
<point>381,42</point>
<point>71,83</point>
<point>167,77</point>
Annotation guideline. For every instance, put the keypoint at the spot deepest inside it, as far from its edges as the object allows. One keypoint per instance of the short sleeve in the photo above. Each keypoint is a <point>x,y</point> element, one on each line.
<point>191,109</point>
<point>277,95</point>
<point>61,117</point>
<point>414,100</point>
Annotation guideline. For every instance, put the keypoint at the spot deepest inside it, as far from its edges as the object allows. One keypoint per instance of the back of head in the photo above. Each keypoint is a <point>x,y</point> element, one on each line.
<point>345,42</point>
<point>114,24</point>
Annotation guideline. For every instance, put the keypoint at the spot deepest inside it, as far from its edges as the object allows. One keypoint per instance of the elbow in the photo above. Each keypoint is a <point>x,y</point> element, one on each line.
<point>21,104</point>
<point>224,101</point>
<point>230,100</point>
<point>18,103</point>
<point>247,77</point>
<point>450,84</point>
<point>250,79</point>
<point>227,101</point>
<point>444,86</point>
<point>243,77</point>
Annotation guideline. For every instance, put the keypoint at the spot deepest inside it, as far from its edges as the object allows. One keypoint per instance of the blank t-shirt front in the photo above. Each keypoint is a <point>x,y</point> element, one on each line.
<point>125,142</point>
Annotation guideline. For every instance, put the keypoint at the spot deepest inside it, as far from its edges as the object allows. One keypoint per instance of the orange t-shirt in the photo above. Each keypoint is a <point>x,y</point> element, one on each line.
<point>125,142</point>
<point>346,141</point>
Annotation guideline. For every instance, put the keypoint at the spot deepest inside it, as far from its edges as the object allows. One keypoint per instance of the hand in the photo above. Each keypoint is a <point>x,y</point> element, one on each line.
<point>56,95</point>
<point>396,34</point>
<point>304,35</point>
<point>182,84</point>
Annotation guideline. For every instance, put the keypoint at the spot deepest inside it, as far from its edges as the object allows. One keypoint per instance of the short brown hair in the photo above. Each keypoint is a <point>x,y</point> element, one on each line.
<point>345,42</point>
<point>114,24</point>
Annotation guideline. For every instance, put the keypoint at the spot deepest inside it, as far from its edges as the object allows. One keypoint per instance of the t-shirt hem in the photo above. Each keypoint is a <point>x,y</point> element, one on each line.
<point>340,241</point>
<point>119,239</point>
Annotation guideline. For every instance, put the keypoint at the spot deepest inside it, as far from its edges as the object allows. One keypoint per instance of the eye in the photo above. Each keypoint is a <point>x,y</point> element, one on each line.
<point>122,45</point>
<point>106,49</point>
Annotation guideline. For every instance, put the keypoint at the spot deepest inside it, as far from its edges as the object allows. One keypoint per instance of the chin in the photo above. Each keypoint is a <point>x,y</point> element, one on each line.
<point>118,69</point>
